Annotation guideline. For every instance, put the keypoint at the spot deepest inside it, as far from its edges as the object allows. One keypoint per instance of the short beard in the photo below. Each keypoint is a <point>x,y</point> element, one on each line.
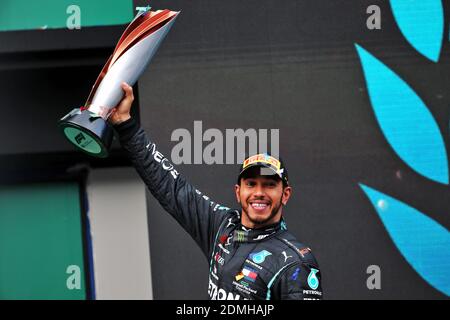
<point>258,222</point>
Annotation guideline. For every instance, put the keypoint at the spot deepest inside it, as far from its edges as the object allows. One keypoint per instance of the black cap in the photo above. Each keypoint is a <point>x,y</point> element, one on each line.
<point>265,160</point>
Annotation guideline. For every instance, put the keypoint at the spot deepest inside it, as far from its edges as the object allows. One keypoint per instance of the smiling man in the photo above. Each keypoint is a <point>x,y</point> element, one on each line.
<point>262,192</point>
<point>250,252</point>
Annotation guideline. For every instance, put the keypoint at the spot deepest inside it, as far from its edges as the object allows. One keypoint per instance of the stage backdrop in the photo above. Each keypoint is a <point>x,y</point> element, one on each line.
<point>363,118</point>
<point>355,92</point>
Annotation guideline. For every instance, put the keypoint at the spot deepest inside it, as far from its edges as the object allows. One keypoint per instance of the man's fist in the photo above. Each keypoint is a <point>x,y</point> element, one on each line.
<point>121,112</point>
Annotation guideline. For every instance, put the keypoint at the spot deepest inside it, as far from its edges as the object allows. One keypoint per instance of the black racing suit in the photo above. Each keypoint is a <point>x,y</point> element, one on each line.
<point>244,264</point>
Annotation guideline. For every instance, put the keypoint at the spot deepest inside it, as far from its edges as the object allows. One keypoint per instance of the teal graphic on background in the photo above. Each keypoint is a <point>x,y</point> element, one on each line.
<point>313,282</point>
<point>423,242</point>
<point>51,14</point>
<point>422,24</point>
<point>405,121</point>
<point>412,132</point>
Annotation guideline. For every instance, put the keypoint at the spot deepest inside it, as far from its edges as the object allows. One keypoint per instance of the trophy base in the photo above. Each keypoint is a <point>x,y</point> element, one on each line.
<point>92,135</point>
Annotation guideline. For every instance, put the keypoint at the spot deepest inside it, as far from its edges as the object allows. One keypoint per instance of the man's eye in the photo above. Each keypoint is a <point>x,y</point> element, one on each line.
<point>250,183</point>
<point>270,184</point>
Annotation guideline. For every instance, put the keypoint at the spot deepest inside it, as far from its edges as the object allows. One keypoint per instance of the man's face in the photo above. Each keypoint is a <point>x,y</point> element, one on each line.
<point>261,198</point>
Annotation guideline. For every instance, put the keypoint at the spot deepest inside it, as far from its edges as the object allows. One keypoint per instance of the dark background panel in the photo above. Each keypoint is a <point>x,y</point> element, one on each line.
<point>292,65</point>
<point>39,88</point>
<point>289,65</point>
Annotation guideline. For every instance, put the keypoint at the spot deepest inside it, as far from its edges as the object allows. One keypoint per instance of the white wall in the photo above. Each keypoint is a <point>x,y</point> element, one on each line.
<point>118,216</point>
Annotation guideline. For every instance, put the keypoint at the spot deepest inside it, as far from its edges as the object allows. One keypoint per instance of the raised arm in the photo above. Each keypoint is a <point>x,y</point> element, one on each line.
<point>195,212</point>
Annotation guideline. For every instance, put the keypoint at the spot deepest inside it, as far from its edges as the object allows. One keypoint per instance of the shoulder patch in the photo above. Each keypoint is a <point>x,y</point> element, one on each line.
<point>304,253</point>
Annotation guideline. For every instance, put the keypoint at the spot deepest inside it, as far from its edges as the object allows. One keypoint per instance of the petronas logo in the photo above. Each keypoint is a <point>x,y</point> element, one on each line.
<point>313,282</point>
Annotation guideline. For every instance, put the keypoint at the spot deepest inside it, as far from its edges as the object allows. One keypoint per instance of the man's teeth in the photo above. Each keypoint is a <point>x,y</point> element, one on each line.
<point>259,205</point>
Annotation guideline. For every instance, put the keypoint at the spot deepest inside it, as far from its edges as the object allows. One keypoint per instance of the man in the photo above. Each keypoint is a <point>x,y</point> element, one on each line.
<point>250,252</point>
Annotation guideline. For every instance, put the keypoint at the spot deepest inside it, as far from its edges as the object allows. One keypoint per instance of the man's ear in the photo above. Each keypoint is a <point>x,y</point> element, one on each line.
<point>286,195</point>
<point>237,191</point>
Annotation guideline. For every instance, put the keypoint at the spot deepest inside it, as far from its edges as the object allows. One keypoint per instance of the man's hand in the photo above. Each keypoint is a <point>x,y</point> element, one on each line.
<point>121,112</point>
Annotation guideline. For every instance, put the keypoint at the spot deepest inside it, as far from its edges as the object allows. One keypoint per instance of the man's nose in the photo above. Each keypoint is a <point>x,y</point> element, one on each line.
<point>259,190</point>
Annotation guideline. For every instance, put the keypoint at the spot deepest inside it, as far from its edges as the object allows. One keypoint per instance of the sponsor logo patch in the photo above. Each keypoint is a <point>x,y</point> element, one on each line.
<point>312,292</point>
<point>286,256</point>
<point>239,276</point>
<point>254,265</point>
<point>220,260</point>
<point>249,274</point>
<point>259,257</point>
<point>304,251</point>
<point>244,288</point>
<point>223,238</point>
<point>264,158</point>
<point>313,281</point>
<point>223,249</point>
<point>295,274</point>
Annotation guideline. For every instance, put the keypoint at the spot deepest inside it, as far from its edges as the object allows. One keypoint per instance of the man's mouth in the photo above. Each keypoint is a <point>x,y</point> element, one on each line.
<point>259,206</point>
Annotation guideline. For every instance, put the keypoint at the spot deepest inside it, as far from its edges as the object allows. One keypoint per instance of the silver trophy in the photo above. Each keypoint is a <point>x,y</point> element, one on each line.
<point>87,127</point>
